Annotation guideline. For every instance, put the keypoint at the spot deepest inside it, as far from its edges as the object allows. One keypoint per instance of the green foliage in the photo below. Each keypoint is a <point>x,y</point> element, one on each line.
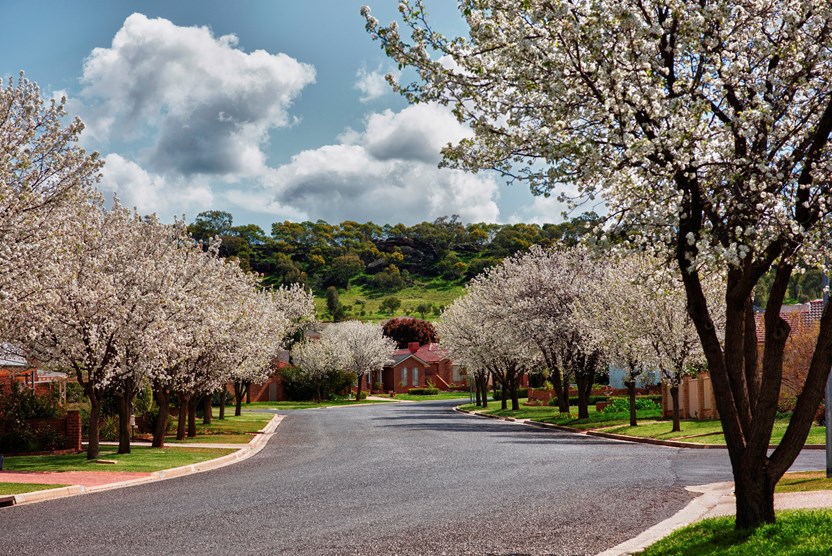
<point>108,429</point>
<point>573,400</point>
<point>642,402</point>
<point>390,305</point>
<point>423,391</point>
<point>336,310</point>
<point>17,407</point>
<point>299,388</point>
<point>521,393</point>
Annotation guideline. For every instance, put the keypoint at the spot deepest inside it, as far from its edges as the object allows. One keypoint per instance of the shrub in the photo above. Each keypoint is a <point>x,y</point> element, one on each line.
<point>109,428</point>
<point>618,405</point>
<point>423,391</point>
<point>573,400</point>
<point>521,393</point>
<point>300,388</point>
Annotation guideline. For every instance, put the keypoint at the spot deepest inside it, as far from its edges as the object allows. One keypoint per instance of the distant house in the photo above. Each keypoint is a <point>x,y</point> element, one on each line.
<point>417,366</point>
<point>14,368</point>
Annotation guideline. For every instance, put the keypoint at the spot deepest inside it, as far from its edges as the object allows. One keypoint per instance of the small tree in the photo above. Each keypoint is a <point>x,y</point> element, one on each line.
<point>390,305</point>
<point>404,330</point>
<point>334,308</point>
<point>364,346</point>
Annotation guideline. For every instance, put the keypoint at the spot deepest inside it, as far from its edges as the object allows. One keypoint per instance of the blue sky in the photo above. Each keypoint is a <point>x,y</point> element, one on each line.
<point>271,110</point>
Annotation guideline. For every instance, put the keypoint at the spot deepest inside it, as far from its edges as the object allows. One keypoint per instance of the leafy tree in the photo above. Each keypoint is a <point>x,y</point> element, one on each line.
<point>706,128</point>
<point>336,310</point>
<point>390,305</point>
<point>404,330</point>
<point>210,224</point>
<point>343,268</point>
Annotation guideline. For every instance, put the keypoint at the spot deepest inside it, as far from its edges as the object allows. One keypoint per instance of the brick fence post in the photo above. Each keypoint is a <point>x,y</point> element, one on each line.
<point>73,430</point>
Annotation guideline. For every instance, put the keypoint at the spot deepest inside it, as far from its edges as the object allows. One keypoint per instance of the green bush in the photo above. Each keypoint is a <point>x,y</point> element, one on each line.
<point>423,391</point>
<point>618,405</point>
<point>109,428</point>
<point>300,388</point>
<point>521,393</point>
<point>573,400</point>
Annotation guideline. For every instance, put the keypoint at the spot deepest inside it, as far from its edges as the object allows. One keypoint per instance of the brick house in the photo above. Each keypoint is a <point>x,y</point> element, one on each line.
<point>415,367</point>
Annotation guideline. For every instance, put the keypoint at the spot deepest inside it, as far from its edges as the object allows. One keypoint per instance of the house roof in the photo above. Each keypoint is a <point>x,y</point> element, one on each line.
<point>429,353</point>
<point>800,314</point>
<point>400,357</point>
<point>10,357</point>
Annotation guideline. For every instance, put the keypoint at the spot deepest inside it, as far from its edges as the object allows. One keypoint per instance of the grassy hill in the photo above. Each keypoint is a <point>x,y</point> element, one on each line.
<point>438,293</point>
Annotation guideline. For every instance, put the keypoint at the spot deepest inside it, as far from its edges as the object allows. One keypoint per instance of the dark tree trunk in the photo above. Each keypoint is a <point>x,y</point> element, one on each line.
<point>95,418</point>
<point>207,409</point>
<point>358,392</point>
<point>503,397</point>
<point>248,391</point>
<point>183,416</point>
<point>631,393</point>
<point>561,390</point>
<point>478,391</point>
<point>754,490</point>
<point>223,394</point>
<point>239,392</point>
<point>584,380</point>
<point>192,403</point>
<point>674,396</point>
<point>513,381</point>
<point>484,389</point>
<point>124,406</point>
<point>162,396</point>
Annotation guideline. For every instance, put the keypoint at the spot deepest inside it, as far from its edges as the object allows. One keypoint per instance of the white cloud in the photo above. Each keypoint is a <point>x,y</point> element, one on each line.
<point>372,84</point>
<point>386,173</point>
<point>205,105</point>
<point>149,193</point>
<point>542,210</point>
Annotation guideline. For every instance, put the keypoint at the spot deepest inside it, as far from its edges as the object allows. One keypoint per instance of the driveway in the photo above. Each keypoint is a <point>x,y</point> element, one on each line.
<point>382,479</point>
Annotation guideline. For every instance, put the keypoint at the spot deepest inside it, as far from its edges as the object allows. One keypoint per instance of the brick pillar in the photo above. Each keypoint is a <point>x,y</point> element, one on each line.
<point>73,430</point>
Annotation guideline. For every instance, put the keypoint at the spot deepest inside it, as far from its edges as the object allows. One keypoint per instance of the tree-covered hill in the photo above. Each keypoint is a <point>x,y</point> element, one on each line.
<point>424,266</point>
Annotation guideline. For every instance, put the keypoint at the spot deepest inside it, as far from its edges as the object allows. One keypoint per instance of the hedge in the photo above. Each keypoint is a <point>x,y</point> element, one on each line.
<point>423,391</point>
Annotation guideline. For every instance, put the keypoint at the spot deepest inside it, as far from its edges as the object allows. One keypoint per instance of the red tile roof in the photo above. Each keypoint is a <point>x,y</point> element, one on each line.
<point>430,353</point>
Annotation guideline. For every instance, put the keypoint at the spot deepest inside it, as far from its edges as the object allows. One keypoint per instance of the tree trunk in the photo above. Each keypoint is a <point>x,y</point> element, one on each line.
<point>192,403</point>
<point>248,391</point>
<point>513,380</point>
<point>223,394</point>
<point>95,418</point>
<point>674,396</point>
<point>484,389</point>
<point>754,491</point>
<point>503,397</point>
<point>207,409</point>
<point>561,391</point>
<point>478,391</point>
<point>631,393</point>
<point>358,392</point>
<point>183,417</point>
<point>124,407</point>
<point>239,392</point>
<point>162,396</point>
<point>584,381</point>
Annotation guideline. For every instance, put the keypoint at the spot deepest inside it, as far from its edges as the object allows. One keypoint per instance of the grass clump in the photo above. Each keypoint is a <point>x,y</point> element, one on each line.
<point>141,459</point>
<point>7,489</point>
<point>796,533</point>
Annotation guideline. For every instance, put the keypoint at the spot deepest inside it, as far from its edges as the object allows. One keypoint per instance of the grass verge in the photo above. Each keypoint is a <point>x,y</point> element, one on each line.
<point>303,405</point>
<point>550,414</point>
<point>804,481</point>
<point>800,532</point>
<point>231,430</point>
<point>141,459</point>
<point>7,489</point>
<point>439,396</point>
<point>709,432</point>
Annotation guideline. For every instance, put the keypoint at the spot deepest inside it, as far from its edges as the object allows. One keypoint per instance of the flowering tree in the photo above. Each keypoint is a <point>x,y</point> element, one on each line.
<point>44,177</point>
<point>317,358</point>
<point>365,347</point>
<point>705,126</point>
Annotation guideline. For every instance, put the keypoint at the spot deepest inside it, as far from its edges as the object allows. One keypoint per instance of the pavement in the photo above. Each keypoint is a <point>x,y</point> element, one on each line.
<point>85,482</point>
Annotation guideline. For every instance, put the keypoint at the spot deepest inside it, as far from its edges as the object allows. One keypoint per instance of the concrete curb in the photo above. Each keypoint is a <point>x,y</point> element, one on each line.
<point>711,496</point>
<point>253,447</point>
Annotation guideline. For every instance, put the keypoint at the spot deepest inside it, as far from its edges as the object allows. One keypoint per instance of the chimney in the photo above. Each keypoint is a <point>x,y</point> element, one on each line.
<point>413,347</point>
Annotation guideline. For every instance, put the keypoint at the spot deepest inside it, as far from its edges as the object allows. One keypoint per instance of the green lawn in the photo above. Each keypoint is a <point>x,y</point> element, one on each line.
<point>796,533</point>
<point>804,481</point>
<point>142,459</point>
<point>709,432</point>
<point>550,414</point>
<point>22,488</point>
<point>231,430</point>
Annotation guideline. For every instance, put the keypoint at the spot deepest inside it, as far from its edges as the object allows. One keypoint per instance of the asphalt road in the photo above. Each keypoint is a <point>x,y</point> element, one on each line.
<point>386,479</point>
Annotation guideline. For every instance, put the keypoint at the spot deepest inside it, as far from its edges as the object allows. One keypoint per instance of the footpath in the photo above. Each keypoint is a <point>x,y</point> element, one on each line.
<point>86,482</point>
<point>714,500</point>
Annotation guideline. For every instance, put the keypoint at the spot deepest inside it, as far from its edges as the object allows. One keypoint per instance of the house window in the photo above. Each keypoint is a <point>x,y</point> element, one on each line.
<point>404,376</point>
<point>415,376</point>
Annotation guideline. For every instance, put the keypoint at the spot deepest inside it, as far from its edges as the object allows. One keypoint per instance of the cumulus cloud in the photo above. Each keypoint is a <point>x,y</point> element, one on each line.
<point>150,192</point>
<point>372,84</point>
<point>205,105</point>
<point>385,173</point>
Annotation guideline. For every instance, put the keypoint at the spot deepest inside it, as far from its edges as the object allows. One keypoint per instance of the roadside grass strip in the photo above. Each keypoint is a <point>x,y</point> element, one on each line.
<point>439,396</point>
<point>707,432</point>
<point>231,430</point>
<point>550,414</point>
<point>141,459</point>
<point>796,533</point>
<point>7,489</point>
<point>804,481</point>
